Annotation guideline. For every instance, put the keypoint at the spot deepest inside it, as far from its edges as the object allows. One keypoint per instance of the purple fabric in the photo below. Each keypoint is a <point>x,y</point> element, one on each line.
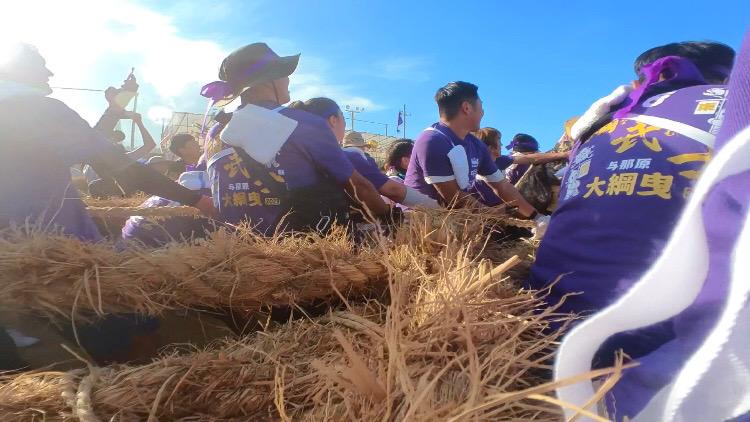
<point>43,139</point>
<point>680,70</point>
<point>330,112</point>
<point>723,212</point>
<point>503,162</point>
<point>525,142</point>
<point>367,168</point>
<point>515,174</point>
<point>311,147</point>
<point>483,193</point>
<point>158,231</point>
<point>739,102</point>
<point>429,159</point>
<point>609,228</point>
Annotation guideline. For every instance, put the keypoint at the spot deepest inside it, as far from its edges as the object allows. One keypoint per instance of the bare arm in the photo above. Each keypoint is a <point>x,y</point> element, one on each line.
<point>455,197</point>
<point>394,191</point>
<point>540,158</point>
<point>510,194</point>
<point>148,140</point>
<point>365,193</point>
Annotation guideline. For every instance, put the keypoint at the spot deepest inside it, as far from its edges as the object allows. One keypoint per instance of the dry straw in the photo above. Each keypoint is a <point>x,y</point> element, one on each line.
<point>455,341</point>
<point>127,212</point>
<point>455,345</point>
<point>130,201</point>
<point>64,276</point>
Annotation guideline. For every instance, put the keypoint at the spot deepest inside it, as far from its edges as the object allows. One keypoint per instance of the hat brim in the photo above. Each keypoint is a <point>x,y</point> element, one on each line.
<point>278,68</point>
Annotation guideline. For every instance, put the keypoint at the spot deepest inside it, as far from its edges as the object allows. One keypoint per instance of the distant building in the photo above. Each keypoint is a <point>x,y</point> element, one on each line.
<point>182,122</point>
<point>380,145</point>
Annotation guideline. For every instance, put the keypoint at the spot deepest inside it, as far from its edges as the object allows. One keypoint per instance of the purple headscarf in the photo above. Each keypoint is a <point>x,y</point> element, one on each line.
<point>523,143</point>
<point>677,69</point>
<point>218,90</point>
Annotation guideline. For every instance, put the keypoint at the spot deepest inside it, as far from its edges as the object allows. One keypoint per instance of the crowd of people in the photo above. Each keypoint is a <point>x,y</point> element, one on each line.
<point>634,158</point>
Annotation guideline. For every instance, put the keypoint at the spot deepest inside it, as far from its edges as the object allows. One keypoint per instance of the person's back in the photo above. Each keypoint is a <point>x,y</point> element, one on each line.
<point>43,139</point>
<point>623,193</point>
<point>240,195</point>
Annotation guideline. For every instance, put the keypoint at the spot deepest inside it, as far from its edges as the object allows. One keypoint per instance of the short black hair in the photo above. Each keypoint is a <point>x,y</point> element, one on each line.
<point>706,55</point>
<point>321,106</point>
<point>19,54</point>
<point>178,141</point>
<point>399,149</point>
<point>450,97</point>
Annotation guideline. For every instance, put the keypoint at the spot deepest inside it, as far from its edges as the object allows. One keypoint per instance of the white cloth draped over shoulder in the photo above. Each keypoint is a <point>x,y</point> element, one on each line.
<point>722,364</point>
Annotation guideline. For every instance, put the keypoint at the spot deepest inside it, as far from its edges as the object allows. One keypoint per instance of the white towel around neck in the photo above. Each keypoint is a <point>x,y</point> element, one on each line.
<point>259,131</point>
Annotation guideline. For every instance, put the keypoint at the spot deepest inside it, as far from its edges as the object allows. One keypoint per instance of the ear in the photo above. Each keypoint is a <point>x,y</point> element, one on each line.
<point>466,107</point>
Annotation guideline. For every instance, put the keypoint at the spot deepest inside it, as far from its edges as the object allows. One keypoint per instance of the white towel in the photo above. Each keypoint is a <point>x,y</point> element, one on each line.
<point>194,180</point>
<point>599,109</point>
<point>259,131</point>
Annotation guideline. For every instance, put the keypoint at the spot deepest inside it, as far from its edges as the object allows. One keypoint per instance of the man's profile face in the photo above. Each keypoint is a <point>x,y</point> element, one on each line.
<point>28,67</point>
<point>190,152</point>
<point>475,112</point>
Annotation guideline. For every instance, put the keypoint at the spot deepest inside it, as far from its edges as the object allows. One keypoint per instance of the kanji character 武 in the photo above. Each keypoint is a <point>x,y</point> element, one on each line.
<point>653,144</point>
<point>638,131</point>
<point>595,187</point>
<point>623,144</point>
<point>622,183</point>
<point>641,129</point>
<point>658,183</point>
<point>234,165</point>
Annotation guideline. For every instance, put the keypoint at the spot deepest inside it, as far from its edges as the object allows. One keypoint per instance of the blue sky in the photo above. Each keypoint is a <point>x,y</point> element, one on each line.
<point>537,63</point>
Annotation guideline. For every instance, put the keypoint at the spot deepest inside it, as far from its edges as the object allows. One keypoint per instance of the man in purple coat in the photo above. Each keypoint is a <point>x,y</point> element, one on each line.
<point>269,159</point>
<point>628,181</point>
<point>44,138</point>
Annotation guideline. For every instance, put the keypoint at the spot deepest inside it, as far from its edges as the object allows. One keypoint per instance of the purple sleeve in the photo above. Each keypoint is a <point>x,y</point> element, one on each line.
<point>367,169</point>
<point>431,152</point>
<point>503,162</point>
<point>487,165</point>
<point>74,141</point>
<point>738,98</point>
<point>327,154</point>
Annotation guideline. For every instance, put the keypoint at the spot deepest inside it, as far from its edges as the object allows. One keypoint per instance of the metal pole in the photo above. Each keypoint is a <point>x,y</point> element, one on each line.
<point>352,112</point>
<point>132,124</point>
<point>405,121</point>
<point>386,129</point>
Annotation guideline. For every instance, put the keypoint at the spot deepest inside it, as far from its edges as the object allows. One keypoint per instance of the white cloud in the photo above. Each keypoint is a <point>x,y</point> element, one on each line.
<point>403,68</point>
<point>94,43</point>
<point>307,83</point>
